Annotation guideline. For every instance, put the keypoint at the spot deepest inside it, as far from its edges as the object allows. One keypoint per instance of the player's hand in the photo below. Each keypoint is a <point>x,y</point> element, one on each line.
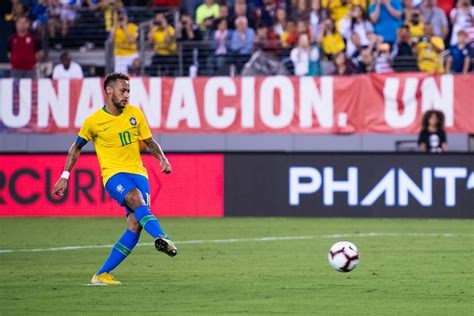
<point>60,187</point>
<point>165,166</point>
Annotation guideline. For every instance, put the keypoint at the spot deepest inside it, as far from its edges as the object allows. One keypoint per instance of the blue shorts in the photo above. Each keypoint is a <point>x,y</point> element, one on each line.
<point>121,183</point>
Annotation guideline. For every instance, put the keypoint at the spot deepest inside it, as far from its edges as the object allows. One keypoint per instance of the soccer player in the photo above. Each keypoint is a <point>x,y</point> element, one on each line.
<point>116,130</point>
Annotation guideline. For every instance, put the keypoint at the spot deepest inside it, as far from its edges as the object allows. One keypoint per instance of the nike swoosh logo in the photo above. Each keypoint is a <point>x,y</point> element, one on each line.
<point>106,128</point>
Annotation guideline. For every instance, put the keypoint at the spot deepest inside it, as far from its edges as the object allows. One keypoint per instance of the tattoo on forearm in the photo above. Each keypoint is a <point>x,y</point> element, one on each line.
<point>155,149</point>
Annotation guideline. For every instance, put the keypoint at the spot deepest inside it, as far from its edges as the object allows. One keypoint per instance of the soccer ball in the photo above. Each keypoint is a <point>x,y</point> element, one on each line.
<point>343,256</point>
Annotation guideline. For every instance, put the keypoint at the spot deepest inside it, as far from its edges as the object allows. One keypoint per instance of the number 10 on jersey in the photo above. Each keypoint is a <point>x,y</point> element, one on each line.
<point>125,138</point>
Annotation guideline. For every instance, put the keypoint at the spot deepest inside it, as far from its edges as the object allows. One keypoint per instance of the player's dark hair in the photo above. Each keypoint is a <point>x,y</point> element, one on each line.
<point>112,77</point>
<point>426,119</point>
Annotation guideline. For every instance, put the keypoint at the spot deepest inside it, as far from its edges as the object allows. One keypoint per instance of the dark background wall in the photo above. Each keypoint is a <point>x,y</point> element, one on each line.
<point>414,185</point>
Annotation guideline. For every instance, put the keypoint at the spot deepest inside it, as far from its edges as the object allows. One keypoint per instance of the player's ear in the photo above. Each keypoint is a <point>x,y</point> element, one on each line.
<point>109,90</point>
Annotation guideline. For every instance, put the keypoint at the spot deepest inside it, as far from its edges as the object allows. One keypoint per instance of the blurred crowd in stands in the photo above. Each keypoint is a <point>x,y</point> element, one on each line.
<point>249,37</point>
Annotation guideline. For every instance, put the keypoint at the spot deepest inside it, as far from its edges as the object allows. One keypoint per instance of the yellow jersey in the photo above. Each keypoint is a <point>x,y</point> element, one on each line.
<point>417,31</point>
<point>428,58</point>
<point>160,46</point>
<point>333,44</point>
<point>116,140</point>
<point>110,15</point>
<point>340,11</point>
<point>122,46</point>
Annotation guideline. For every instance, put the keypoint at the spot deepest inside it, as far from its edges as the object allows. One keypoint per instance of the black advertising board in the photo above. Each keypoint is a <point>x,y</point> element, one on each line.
<point>350,185</point>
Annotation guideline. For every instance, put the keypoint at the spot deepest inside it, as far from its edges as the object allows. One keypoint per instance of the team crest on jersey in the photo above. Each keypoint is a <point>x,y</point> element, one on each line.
<point>133,121</point>
<point>119,188</point>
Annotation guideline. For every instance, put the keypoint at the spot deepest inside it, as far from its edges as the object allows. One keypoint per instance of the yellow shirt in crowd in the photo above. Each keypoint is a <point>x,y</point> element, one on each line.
<point>429,59</point>
<point>203,12</point>
<point>339,11</point>
<point>332,44</point>
<point>160,46</point>
<point>417,31</point>
<point>110,15</point>
<point>122,46</point>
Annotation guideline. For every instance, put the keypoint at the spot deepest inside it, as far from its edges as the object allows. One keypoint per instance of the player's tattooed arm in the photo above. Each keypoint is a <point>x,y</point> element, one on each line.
<point>157,152</point>
<point>72,156</point>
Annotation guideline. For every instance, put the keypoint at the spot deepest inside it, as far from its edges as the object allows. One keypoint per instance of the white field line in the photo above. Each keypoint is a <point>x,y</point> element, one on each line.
<point>236,240</point>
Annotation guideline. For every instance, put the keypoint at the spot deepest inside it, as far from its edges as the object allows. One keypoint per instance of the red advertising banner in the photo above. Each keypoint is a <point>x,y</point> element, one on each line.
<point>375,103</point>
<point>194,188</point>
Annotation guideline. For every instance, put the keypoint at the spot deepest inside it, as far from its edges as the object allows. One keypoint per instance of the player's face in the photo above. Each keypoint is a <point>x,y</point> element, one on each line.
<point>120,94</point>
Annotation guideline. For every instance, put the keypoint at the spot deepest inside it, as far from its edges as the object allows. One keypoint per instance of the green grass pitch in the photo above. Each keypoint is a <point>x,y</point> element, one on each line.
<point>414,270</point>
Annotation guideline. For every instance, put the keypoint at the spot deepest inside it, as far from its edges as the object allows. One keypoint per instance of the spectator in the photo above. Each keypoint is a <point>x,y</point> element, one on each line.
<point>386,16</point>
<point>217,62</point>
<point>446,6</point>
<point>428,52</point>
<point>223,14</point>
<point>124,35</point>
<point>408,7</point>
<point>190,37</point>
<point>243,37</point>
<point>383,60</point>
<point>67,69</point>
<point>40,16</point>
<point>316,16</point>
<point>340,8</point>
<point>24,50</point>
<point>344,67</point>
<point>432,138</point>
<point>280,21</point>
<point>416,25</point>
<point>302,28</point>
<point>190,7</point>
<point>365,61</point>
<point>54,21</point>
<point>470,33</point>
<point>240,9</point>
<point>436,17</point>
<point>290,35</point>
<point>206,13</point>
<point>375,40</point>
<point>301,11</point>
<point>404,46</point>
<point>190,31</point>
<point>331,40</point>
<point>161,36</point>
<point>241,42</point>
<point>111,9</point>
<point>300,55</point>
<point>266,14</point>
<point>356,29</point>
<point>68,14</point>
<point>459,59</point>
<point>266,39</point>
<point>135,69</point>
<point>461,17</point>
<point>18,10</point>
<point>358,47</point>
